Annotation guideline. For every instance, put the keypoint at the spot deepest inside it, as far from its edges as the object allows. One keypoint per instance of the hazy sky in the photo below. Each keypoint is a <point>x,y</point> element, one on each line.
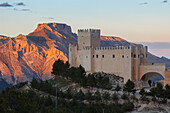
<point>133,20</point>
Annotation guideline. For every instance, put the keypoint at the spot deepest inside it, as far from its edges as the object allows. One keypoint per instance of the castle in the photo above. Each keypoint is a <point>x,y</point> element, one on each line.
<point>129,62</point>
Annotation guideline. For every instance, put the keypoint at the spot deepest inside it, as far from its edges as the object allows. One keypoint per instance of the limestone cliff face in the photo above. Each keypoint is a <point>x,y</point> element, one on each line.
<point>23,57</point>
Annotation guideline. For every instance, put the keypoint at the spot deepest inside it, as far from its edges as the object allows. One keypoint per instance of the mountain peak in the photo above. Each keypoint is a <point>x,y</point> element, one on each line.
<point>111,38</point>
<point>53,27</point>
<point>4,37</point>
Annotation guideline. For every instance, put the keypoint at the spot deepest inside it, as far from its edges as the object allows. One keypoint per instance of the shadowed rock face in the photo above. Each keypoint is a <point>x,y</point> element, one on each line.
<point>25,57</point>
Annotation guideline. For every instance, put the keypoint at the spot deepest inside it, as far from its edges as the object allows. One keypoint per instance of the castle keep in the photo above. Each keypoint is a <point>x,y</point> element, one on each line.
<point>129,62</point>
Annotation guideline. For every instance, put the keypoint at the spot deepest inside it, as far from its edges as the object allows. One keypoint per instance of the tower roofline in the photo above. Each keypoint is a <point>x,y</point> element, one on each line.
<point>88,30</point>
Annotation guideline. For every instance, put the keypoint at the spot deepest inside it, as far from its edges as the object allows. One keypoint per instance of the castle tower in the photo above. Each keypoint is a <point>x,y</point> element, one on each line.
<point>88,38</point>
<point>139,56</point>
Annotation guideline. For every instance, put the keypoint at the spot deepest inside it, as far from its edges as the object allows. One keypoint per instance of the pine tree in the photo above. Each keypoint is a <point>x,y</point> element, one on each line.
<point>118,88</point>
<point>129,86</point>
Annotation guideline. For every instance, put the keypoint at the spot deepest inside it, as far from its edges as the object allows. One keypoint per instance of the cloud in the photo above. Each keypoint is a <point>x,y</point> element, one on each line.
<point>5,5</point>
<point>48,18</point>
<point>144,3</point>
<point>20,4</point>
<point>165,1</point>
<point>25,10</point>
<point>15,9</point>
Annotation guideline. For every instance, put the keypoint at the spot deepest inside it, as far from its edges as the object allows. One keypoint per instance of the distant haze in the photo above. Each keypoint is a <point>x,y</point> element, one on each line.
<point>158,48</point>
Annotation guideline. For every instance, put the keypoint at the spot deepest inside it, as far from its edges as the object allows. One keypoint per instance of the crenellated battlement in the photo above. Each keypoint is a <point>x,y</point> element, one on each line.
<point>89,30</point>
<point>107,48</point>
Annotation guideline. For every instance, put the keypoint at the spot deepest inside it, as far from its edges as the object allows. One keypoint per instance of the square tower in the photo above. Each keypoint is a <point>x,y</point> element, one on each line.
<point>88,38</point>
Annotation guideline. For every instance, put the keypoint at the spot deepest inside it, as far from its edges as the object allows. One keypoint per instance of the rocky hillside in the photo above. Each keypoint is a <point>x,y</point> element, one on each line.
<point>23,57</point>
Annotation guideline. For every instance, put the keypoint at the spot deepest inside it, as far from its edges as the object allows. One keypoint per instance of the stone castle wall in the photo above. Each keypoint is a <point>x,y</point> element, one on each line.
<point>127,62</point>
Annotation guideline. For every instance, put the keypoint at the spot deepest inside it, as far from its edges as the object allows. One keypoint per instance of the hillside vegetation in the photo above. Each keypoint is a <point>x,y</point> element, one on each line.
<point>78,92</point>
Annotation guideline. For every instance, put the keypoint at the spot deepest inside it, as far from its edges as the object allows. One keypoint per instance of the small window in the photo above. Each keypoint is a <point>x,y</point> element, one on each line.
<point>113,56</point>
<point>127,56</point>
<point>93,56</point>
<point>134,56</point>
<point>141,56</point>
<point>97,56</point>
<point>86,56</point>
<point>146,55</point>
<point>122,56</point>
<point>102,56</point>
<point>83,42</point>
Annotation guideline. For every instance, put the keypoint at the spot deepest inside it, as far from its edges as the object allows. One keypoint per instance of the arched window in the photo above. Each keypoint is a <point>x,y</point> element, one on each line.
<point>102,56</point>
<point>97,56</point>
<point>113,56</point>
<point>134,55</point>
<point>141,55</point>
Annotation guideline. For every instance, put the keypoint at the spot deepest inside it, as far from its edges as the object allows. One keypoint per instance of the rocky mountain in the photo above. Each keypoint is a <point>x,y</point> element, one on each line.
<point>24,57</point>
<point>155,59</point>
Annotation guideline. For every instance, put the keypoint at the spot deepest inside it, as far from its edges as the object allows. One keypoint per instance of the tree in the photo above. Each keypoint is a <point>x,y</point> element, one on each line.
<point>59,67</point>
<point>129,106</point>
<point>80,95</point>
<point>159,90</point>
<point>97,95</point>
<point>106,96</point>
<point>115,97</point>
<point>68,93</point>
<point>142,92</point>
<point>167,91</point>
<point>118,88</point>
<point>154,99</point>
<point>124,97</point>
<point>88,95</point>
<point>129,86</point>
<point>34,83</point>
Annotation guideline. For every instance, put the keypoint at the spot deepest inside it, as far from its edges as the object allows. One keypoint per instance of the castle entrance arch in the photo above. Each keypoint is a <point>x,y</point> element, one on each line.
<point>149,79</point>
<point>147,71</point>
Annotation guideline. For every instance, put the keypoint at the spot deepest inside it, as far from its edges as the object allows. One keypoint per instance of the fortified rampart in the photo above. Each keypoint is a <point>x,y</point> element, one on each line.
<point>129,62</point>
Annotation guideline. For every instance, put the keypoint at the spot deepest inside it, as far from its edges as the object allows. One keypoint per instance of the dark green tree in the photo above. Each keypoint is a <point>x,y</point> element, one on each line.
<point>59,67</point>
<point>129,86</point>
<point>124,97</point>
<point>88,95</point>
<point>80,95</point>
<point>97,95</point>
<point>34,83</point>
<point>167,91</point>
<point>106,96</point>
<point>118,88</point>
<point>115,97</point>
<point>142,92</point>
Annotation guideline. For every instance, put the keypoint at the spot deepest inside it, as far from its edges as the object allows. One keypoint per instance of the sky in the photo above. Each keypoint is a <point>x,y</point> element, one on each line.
<point>132,20</point>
